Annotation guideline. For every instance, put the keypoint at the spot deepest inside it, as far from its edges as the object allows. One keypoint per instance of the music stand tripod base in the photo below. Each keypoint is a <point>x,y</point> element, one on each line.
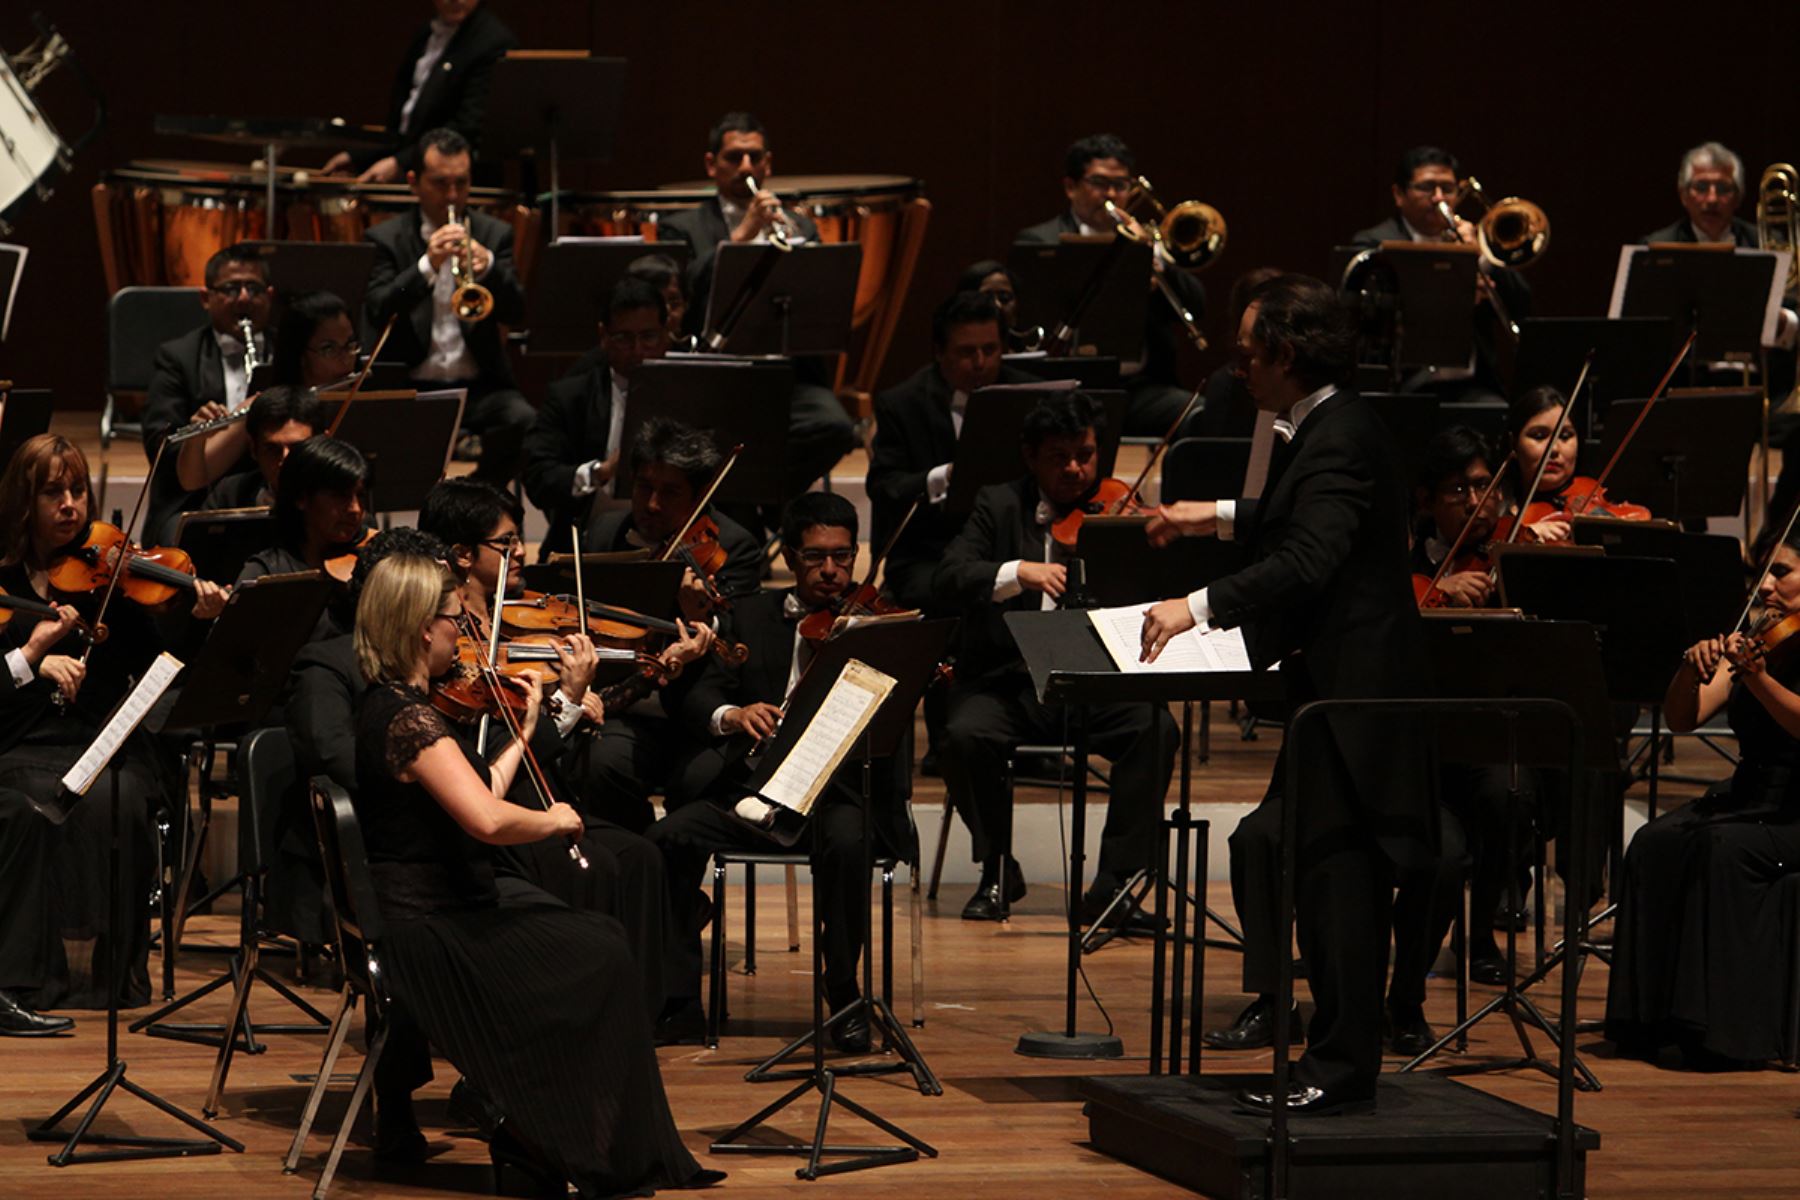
<point>1049,1044</point>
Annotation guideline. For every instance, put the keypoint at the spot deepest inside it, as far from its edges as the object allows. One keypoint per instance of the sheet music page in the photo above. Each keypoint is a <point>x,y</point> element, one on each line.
<point>1262,445</point>
<point>149,690</point>
<point>846,712</point>
<point>1777,292</point>
<point>1121,630</point>
<point>1616,308</point>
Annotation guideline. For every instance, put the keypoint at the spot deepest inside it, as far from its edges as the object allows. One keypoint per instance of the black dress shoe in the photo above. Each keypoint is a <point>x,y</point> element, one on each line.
<point>18,1021</point>
<point>1129,918</point>
<point>987,903</point>
<point>1490,971</point>
<point>520,1171</point>
<point>1409,1033</point>
<point>1304,1100</point>
<point>683,1023</point>
<point>1255,1028</point>
<point>397,1135</point>
<point>470,1107</point>
<point>851,1035</point>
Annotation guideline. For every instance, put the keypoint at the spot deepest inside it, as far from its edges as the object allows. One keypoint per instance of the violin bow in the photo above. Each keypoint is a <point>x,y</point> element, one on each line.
<point>1462,535</point>
<point>356,385</point>
<point>1562,419</point>
<point>1587,501</point>
<point>700,505</point>
<point>493,638</point>
<point>1156,453</point>
<point>893,540</point>
<point>1768,562</point>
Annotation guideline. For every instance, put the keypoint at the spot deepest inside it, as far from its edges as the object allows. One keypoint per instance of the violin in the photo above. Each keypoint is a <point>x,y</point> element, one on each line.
<point>11,604</point>
<point>864,600</point>
<point>341,567</point>
<point>697,546</point>
<point>466,699</point>
<point>151,578</point>
<point>607,625</point>
<point>1115,498</point>
<point>1583,497</point>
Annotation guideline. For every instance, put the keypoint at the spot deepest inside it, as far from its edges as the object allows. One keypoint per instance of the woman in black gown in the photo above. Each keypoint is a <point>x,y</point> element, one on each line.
<point>1703,946</point>
<point>537,1004</point>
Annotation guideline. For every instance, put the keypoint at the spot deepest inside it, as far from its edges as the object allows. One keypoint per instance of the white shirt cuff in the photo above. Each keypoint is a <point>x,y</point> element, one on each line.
<point>1006,581</point>
<point>567,715</point>
<point>1787,325</point>
<point>1201,609</point>
<point>716,726</point>
<point>584,479</point>
<point>1226,511</point>
<point>21,670</point>
<point>937,483</point>
<point>425,266</point>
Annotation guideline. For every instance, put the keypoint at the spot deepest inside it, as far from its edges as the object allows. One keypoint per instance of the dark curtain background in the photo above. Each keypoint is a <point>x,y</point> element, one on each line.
<point>1287,117</point>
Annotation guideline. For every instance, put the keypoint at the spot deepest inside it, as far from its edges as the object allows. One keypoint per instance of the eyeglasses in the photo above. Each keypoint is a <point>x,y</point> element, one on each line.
<point>647,339</point>
<point>1712,187</point>
<point>334,349</point>
<point>229,291</point>
<point>1463,489</point>
<point>501,545</point>
<point>453,618</point>
<point>1107,183</point>
<point>840,558</point>
<point>1423,187</point>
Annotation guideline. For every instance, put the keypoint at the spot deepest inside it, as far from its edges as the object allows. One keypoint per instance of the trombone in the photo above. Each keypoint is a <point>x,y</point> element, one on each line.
<point>781,233</point>
<point>1512,234</point>
<point>470,301</point>
<point>1191,236</point>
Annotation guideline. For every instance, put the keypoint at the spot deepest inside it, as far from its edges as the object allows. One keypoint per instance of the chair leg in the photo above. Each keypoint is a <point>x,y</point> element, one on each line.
<point>715,1005</point>
<point>887,937</point>
<point>937,862</point>
<point>749,918</point>
<point>240,1003</point>
<point>358,1095</point>
<point>334,1042</point>
<point>915,904</point>
<point>793,909</point>
<point>1793,1013</point>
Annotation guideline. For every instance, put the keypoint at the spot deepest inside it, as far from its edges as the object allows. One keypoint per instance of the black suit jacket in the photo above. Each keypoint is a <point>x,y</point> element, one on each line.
<point>189,372</point>
<point>323,693</point>
<point>914,432</point>
<point>1002,527</point>
<point>703,227</point>
<point>454,95</point>
<point>570,430</point>
<point>1743,233</point>
<point>1162,329</point>
<point>740,576</point>
<point>1327,594</point>
<point>396,286</point>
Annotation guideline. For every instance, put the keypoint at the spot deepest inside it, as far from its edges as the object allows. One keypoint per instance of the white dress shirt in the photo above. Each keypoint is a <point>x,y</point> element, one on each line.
<point>1006,579</point>
<point>435,45</point>
<point>937,480</point>
<point>794,610</point>
<point>587,480</point>
<point>449,358</point>
<point>231,354</point>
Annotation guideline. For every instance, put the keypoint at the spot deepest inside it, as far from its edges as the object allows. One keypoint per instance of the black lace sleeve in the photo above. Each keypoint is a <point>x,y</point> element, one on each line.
<point>415,728</point>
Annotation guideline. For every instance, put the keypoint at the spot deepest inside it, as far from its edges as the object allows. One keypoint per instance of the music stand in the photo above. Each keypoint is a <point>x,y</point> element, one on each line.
<point>1412,419</point>
<point>987,449</point>
<point>399,433</point>
<point>740,401</point>
<point>221,540</point>
<point>1437,295</point>
<point>794,303</point>
<point>1731,295</point>
<point>1630,354</point>
<point>1088,370</point>
<point>341,268</point>
<point>1689,456</point>
<point>908,651</point>
<point>570,283</point>
<point>1635,603</point>
<point>24,414</point>
<point>1709,566</point>
<point>1122,569</point>
<point>1107,273</point>
<point>546,98</point>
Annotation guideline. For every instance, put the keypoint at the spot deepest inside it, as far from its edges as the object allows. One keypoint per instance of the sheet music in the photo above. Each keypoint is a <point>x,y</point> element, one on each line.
<point>846,712</point>
<point>1616,307</point>
<point>149,690</point>
<point>1121,630</point>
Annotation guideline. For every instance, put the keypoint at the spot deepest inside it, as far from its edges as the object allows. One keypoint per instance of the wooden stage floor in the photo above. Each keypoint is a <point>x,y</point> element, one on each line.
<point>1006,1126</point>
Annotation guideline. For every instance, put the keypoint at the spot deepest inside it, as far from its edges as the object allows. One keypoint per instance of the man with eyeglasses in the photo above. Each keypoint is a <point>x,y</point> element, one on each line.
<point>731,709</point>
<point>280,419</point>
<point>1096,169</point>
<point>202,374</point>
<point>572,451</point>
<point>1710,187</point>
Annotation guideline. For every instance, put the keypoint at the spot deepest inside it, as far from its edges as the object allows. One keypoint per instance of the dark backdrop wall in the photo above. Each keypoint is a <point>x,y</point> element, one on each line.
<point>1287,117</point>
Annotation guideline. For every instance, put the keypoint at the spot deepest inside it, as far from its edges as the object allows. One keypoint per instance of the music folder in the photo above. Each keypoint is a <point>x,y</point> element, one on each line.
<point>1731,294</point>
<point>571,282</point>
<point>1055,279</point>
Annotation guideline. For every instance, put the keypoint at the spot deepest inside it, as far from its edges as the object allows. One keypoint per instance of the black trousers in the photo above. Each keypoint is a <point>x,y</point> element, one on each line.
<point>500,417</point>
<point>985,722</point>
<point>31,953</point>
<point>819,433</point>
<point>634,756</point>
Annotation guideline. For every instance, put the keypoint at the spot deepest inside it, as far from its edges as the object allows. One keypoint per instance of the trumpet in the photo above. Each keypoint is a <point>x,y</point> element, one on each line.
<point>1512,234</point>
<point>1191,236</point>
<point>781,233</point>
<point>470,301</point>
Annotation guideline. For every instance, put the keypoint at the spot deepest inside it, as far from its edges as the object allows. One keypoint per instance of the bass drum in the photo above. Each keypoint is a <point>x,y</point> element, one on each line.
<point>866,209</point>
<point>33,149</point>
<point>626,214</point>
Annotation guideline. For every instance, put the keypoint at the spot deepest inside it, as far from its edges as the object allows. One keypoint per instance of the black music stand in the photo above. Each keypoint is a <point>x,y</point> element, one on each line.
<point>1437,296</point>
<point>548,100</point>
<point>793,303</point>
<point>400,436</point>
<point>1413,419</point>
<point>341,268</point>
<point>1708,566</point>
<point>909,652</point>
<point>1688,457</point>
<point>25,415</point>
<point>1635,603</point>
<point>987,449</point>
<point>1630,354</point>
<point>221,540</point>
<point>740,401</point>
<point>1727,294</point>
<point>1098,285</point>
<point>571,281</point>
<point>1088,371</point>
<point>1070,667</point>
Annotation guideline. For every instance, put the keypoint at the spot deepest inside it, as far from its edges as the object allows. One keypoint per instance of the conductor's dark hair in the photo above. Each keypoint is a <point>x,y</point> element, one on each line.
<point>1304,316</point>
<point>299,321</point>
<point>242,253</point>
<point>463,512</point>
<point>630,294</point>
<point>1244,287</point>
<point>657,270</point>
<point>667,441</point>
<point>445,141</point>
<point>963,308</point>
<point>1450,451</point>
<point>401,539</point>
<point>816,508</point>
<point>1529,404</point>
<point>976,273</point>
<point>734,122</point>
<point>1096,145</point>
<point>1424,156</point>
<point>1067,413</point>
<point>319,464</point>
<point>278,405</point>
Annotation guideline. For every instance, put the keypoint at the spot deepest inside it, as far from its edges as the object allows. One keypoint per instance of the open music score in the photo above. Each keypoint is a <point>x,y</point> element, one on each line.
<point>1214,650</point>
<point>846,711</point>
<point>149,690</point>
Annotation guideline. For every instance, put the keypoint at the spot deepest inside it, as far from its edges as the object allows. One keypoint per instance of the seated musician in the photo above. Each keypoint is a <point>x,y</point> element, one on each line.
<point>320,505</point>
<point>1710,187</point>
<point>201,375</point>
<point>572,451</point>
<point>1457,472</point>
<point>734,707</point>
<point>280,419</point>
<point>1703,943</point>
<point>991,278</point>
<point>442,82</point>
<point>1096,169</point>
<point>819,430</point>
<point>1531,420</point>
<point>55,700</point>
<point>1005,560</point>
<point>413,282</point>
<point>664,274</point>
<point>1425,176</point>
<point>539,1004</point>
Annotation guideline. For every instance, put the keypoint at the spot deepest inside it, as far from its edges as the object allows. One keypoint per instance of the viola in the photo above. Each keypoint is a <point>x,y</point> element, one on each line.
<point>863,601</point>
<point>1110,497</point>
<point>151,578</point>
<point>1428,592</point>
<point>607,625</point>
<point>699,549</point>
<point>1583,497</point>
<point>341,567</point>
<point>466,699</point>
<point>1773,638</point>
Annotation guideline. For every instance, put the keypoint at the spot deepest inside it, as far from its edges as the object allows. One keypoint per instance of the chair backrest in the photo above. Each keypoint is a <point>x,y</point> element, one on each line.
<point>138,321</point>
<point>1205,468</point>
<point>266,775</point>
<point>354,910</point>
